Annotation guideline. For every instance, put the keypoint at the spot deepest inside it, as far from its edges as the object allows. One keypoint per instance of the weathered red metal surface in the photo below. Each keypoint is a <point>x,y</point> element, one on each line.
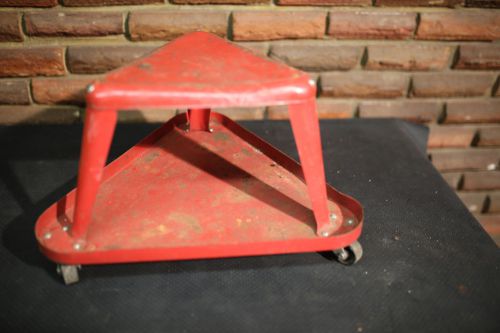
<point>196,194</point>
<point>200,70</point>
<point>201,186</point>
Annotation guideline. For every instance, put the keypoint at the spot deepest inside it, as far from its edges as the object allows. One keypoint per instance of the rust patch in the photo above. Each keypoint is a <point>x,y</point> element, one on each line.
<point>181,185</point>
<point>246,152</point>
<point>145,223</point>
<point>112,247</point>
<point>238,197</point>
<point>243,224</point>
<point>221,137</point>
<point>216,201</point>
<point>189,221</point>
<point>145,66</point>
<point>275,232</point>
<point>151,157</point>
<point>159,230</point>
<point>209,146</point>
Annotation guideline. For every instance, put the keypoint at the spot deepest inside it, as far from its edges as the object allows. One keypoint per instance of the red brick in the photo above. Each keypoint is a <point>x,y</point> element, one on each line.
<point>364,84</point>
<point>482,180</point>
<point>60,90</point>
<point>271,25</point>
<point>496,239</point>
<point>324,2</point>
<point>474,201</point>
<point>31,61</point>
<point>92,3</point>
<point>453,179</point>
<point>311,56</point>
<point>465,159</point>
<point>494,202</point>
<point>419,3</point>
<point>452,84</point>
<point>14,92</point>
<point>483,3</point>
<point>277,112</point>
<point>166,25</point>
<point>242,113</point>
<point>16,114</point>
<point>326,108</point>
<point>415,111</point>
<point>100,59</point>
<point>73,24</point>
<point>258,48</point>
<point>491,224</point>
<point>479,56</point>
<point>451,136</point>
<point>335,109</point>
<point>460,25</point>
<point>408,57</point>
<point>371,25</point>
<point>489,136</point>
<point>28,3</point>
<point>473,111</point>
<point>10,27</point>
<point>146,116</point>
<point>221,2</point>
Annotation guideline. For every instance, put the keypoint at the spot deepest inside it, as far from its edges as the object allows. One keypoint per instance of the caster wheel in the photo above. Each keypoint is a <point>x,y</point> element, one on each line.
<point>69,273</point>
<point>349,255</point>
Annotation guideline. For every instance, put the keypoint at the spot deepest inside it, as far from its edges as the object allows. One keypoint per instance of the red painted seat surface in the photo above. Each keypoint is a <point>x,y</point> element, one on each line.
<point>201,70</point>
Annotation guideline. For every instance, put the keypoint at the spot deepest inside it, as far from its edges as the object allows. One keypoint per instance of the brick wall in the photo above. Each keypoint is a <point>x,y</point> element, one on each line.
<point>431,61</point>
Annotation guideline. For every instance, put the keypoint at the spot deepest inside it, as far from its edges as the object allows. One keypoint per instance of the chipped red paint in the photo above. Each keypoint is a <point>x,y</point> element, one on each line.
<point>201,186</point>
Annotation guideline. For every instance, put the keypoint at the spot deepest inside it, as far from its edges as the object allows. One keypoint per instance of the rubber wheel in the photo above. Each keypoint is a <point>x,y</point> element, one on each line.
<point>69,273</point>
<point>349,255</point>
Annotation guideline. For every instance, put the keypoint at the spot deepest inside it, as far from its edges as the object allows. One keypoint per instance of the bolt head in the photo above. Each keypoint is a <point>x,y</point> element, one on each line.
<point>90,88</point>
<point>77,246</point>
<point>47,235</point>
<point>333,216</point>
<point>350,221</point>
<point>325,234</point>
<point>65,228</point>
<point>211,130</point>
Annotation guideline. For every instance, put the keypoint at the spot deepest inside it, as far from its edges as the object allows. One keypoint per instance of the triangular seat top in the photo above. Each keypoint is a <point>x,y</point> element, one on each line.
<point>201,70</point>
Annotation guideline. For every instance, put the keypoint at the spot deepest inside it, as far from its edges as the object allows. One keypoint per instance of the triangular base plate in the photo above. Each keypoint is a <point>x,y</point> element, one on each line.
<point>186,195</point>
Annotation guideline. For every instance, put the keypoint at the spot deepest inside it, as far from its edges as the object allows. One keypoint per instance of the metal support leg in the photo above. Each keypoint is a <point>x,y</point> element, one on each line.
<point>97,135</point>
<point>199,119</point>
<point>305,126</point>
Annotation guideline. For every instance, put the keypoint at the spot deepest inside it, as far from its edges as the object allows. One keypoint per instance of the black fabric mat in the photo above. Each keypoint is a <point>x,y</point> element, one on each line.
<point>428,265</point>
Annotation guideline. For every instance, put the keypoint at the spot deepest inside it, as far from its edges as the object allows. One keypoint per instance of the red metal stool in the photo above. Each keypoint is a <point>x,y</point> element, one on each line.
<point>200,186</point>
